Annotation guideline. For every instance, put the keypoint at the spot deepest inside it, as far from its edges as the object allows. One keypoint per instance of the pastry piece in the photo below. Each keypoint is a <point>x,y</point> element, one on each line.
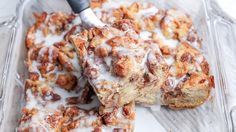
<point>51,58</point>
<point>189,59</point>
<point>39,120</point>
<point>189,83</point>
<point>170,29</point>
<point>120,66</point>
<point>191,91</point>
<point>102,120</point>
<point>119,116</point>
<point>180,46</point>
<point>175,24</point>
<point>144,14</point>
<point>47,109</point>
<point>49,28</point>
<point>58,97</point>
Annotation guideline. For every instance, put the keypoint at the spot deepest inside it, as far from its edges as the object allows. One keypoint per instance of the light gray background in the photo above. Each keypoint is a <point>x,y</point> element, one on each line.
<point>7,7</point>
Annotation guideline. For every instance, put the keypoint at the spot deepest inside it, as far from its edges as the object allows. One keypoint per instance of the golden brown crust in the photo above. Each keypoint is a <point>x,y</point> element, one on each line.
<point>65,61</point>
<point>185,59</point>
<point>67,82</point>
<point>126,24</point>
<point>122,66</point>
<point>113,116</point>
<point>175,24</point>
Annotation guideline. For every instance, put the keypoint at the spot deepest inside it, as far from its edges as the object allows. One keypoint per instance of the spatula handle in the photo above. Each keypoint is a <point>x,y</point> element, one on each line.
<point>78,5</point>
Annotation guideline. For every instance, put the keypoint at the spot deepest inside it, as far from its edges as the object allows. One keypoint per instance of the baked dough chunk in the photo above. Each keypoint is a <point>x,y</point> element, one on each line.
<point>74,112</point>
<point>189,83</point>
<point>191,91</point>
<point>120,66</point>
<point>175,24</point>
<point>180,46</point>
<point>58,97</point>
<point>188,59</point>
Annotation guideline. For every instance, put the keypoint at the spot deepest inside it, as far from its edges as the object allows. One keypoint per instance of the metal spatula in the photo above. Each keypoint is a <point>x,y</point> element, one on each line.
<point>87,16</point>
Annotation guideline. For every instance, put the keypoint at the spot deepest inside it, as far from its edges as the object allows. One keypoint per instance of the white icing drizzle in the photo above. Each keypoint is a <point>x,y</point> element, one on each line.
<point>169,60</point>
<point>147,12</point>
<point>51,39</point>
<point>145,35</point>
<point>76,21</point>
<point>50,54</point>
<point>42,51</point>
<point>175,81</point>
<point>32,102</point>
<point>104,45</point>
<point>169,42</point>
<point>33,67</point>
<point>39,36</point>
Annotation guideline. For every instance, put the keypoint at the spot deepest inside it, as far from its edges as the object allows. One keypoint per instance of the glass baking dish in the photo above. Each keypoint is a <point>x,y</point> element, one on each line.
<point>216,115</point>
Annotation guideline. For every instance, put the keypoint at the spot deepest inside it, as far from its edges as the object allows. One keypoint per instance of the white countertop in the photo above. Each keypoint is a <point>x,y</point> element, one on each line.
<point>228,6</point>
